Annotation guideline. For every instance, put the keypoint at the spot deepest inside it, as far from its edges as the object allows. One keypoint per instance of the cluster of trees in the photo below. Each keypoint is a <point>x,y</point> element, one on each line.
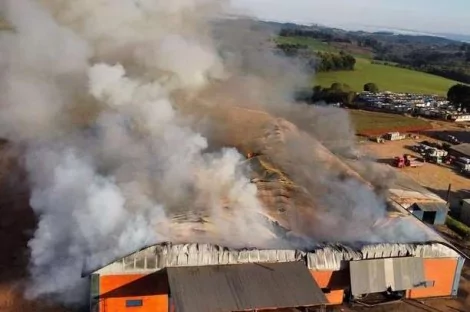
<point>460,94</point>
<point>336,93</point>
<point>319,61</point>
<point>294,49</point>
<point>333,62</point>
<point>339,93</point>
<point>371,87</point>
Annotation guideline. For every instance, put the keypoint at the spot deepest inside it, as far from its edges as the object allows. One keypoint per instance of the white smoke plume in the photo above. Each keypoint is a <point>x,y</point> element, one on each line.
<point>99,92</point>
<point>88,88</point>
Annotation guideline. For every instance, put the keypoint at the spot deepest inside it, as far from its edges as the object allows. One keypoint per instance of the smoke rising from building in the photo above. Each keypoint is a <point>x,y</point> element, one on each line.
<point>99,95</point>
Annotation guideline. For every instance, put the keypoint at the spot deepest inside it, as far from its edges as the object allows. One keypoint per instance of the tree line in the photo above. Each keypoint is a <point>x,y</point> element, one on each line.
<point>316,34</point>
<point>339,93</point>
<point>319,61</point>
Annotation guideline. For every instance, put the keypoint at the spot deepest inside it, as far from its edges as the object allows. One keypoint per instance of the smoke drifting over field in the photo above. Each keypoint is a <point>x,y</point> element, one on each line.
<point>93,90</point>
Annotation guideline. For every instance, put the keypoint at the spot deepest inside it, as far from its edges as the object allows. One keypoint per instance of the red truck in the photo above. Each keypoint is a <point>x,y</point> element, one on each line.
<point>406,161</point>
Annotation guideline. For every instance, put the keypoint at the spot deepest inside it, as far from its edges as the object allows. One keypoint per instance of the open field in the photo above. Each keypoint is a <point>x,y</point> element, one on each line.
<point>376,123</point>
<point>387,78</point>
<point>313,44</point>
<point>336,47</point>
<point>355,50</point>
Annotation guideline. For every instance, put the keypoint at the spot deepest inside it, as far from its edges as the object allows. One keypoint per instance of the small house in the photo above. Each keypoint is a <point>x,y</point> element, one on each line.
<point>432,213</point>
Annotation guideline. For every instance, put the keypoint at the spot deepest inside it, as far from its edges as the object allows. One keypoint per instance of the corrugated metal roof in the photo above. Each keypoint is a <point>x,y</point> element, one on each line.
<point>431,206</point>
<point>243,287</point>
<point>462,148</point>
<point>374,276</point>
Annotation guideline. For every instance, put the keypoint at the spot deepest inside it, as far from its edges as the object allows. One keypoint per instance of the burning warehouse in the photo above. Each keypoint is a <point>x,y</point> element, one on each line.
<point>135,131</point>
<point>202,277</point>
<point>380,250</point>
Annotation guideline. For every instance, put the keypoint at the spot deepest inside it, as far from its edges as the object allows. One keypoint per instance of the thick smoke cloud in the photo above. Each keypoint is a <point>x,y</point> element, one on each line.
<point>99,92</point>
<point>110,159</point>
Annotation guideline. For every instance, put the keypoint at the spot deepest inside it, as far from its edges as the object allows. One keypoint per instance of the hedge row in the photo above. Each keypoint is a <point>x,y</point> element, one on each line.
<point>458,227</point>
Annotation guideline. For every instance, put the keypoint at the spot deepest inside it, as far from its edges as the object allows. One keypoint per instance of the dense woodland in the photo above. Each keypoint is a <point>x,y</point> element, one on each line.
<point>435,55</point>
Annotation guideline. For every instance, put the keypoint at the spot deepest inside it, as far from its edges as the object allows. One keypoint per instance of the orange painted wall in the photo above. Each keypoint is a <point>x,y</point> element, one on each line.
<point>152,289</point>
<point>442,272</point>
<point>336,281</point>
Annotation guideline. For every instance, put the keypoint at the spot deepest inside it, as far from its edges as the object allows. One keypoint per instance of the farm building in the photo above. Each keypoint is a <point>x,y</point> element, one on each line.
<point>432,213</point>
<point>203,277</point>
<point>461,150</point>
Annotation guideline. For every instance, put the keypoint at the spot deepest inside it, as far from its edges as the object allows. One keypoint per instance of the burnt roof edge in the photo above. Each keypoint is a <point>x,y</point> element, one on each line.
<point>355,246</point>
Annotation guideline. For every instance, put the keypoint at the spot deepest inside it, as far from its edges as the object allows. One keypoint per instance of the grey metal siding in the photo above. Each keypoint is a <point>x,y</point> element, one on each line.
<point>367,276</point>
<point>243,287</point>
<point>457,275</point>
<point>94,292</point>
<point>373,276</point>
<point>441,217</point>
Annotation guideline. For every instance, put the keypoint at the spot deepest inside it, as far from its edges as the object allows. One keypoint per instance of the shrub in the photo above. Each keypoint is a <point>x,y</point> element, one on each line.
<point>458,227</point>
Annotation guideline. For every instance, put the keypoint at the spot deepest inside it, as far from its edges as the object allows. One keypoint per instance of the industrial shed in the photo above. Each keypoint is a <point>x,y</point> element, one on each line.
<point>431,213</point>
<point>163,277</point>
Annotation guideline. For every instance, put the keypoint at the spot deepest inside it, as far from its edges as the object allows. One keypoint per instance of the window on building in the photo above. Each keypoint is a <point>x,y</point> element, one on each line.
<point>326,290</point>
<point>134,303</point>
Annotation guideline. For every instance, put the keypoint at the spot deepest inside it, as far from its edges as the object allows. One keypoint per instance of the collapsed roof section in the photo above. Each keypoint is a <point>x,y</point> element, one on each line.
<point>326,257</point>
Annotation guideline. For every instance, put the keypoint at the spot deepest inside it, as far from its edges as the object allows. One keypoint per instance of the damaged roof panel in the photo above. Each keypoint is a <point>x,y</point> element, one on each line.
<point>325,257</point>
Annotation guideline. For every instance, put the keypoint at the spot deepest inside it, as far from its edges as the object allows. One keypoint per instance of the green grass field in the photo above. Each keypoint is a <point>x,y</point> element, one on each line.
<point>388,78</point>
<point>375,122</point>
<point>313,44</point>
